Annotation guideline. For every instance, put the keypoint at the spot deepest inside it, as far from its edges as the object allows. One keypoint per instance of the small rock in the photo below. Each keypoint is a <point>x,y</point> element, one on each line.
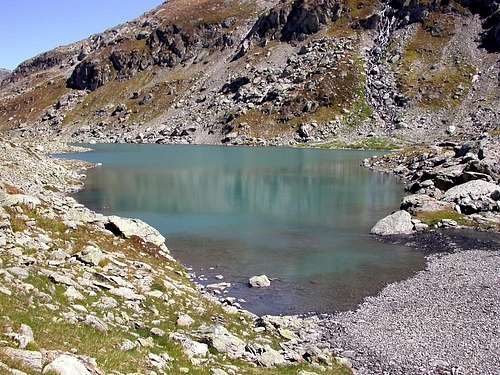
<point>261,281</point>
<point>25,336</point>
<point>184,320</point>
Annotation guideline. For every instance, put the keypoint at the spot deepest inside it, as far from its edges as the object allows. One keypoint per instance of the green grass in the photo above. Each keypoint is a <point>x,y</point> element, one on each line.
<point>433,218</point>
<point>52,332</point>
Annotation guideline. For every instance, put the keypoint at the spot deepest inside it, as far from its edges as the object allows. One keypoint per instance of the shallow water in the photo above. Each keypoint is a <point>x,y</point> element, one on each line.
<point>300,216</point>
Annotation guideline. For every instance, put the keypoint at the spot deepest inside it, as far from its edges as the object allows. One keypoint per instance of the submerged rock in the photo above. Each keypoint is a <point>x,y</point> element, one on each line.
<point>397,223</point>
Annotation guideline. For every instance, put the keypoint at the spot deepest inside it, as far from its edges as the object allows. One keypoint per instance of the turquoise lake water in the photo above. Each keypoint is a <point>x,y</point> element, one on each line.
<point>300,216</point>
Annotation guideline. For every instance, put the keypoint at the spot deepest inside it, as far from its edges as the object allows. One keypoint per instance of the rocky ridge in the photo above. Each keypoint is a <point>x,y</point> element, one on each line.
<point>268,72</point>
<point>71,278</point>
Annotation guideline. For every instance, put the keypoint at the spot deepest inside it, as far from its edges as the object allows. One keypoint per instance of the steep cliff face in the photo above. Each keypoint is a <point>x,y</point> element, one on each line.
<point>4,73</point>
<point>295,20</point>
<point>269,72</point>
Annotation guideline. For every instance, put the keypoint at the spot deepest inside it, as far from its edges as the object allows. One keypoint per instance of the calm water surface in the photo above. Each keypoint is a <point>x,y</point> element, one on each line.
<point>299,216</point>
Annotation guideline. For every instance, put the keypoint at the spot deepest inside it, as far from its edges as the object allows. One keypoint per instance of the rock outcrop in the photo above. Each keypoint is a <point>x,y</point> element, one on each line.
<point>134,227</point>
<point>450,182</point>
<point>294,21</point>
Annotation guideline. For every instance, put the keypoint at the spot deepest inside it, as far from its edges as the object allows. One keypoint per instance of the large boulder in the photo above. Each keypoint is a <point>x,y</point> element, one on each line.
<point>397,223</point>
<point>134,227</point>
<point>90,75</point>
<point>91,256</point>
<point>270,358</point>
<point>471,189</point>
<point>292,21</point>
<point>193,349</point>
<point>219,338</point>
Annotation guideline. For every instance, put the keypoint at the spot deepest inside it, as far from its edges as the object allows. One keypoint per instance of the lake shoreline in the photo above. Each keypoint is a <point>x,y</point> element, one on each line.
<point>441,250</point>
<point>116,259</point>
<point>345,332</point>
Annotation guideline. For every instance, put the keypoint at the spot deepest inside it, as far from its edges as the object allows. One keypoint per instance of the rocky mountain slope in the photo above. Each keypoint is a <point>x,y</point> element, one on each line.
<point>269,72</point>
<point>4,73</point>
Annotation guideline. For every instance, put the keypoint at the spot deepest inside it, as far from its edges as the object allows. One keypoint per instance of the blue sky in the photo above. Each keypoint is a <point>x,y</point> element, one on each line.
<point>29,27</point>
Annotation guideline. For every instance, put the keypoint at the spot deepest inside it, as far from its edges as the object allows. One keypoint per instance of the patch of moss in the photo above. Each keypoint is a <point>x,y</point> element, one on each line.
<point>372,143</point>
<point>434,217</point>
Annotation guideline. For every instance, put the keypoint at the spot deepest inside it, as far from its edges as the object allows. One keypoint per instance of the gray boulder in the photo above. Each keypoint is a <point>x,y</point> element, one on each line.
<point>472,189</point>
<point>134,227</point>
<point>270,358</point>
<point>91,256</point>
<point>219,338</point>
<point>66,365</point>
<point>475,196</point>
<point>397,223</point>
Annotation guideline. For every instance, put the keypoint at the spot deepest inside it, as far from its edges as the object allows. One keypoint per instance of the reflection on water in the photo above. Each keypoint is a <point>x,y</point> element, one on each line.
<point>300,216</point>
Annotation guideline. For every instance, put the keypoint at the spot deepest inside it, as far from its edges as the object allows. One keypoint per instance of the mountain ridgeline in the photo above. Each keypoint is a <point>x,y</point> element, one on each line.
<point>269,72</point>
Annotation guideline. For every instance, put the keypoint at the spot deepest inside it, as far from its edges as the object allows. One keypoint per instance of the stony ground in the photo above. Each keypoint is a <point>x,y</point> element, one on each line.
<point>83,294</point>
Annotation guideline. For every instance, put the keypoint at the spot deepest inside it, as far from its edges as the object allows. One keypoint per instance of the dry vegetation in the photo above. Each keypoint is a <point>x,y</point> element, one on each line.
<point>426,73</point>
<point>29,106</point>
<point>193,13</point>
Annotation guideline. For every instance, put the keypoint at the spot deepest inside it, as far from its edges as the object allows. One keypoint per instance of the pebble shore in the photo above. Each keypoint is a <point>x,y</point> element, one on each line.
<point>444,320</point>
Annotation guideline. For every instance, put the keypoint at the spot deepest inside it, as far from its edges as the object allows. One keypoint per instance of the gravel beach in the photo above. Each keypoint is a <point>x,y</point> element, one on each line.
<point>445,320</point>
